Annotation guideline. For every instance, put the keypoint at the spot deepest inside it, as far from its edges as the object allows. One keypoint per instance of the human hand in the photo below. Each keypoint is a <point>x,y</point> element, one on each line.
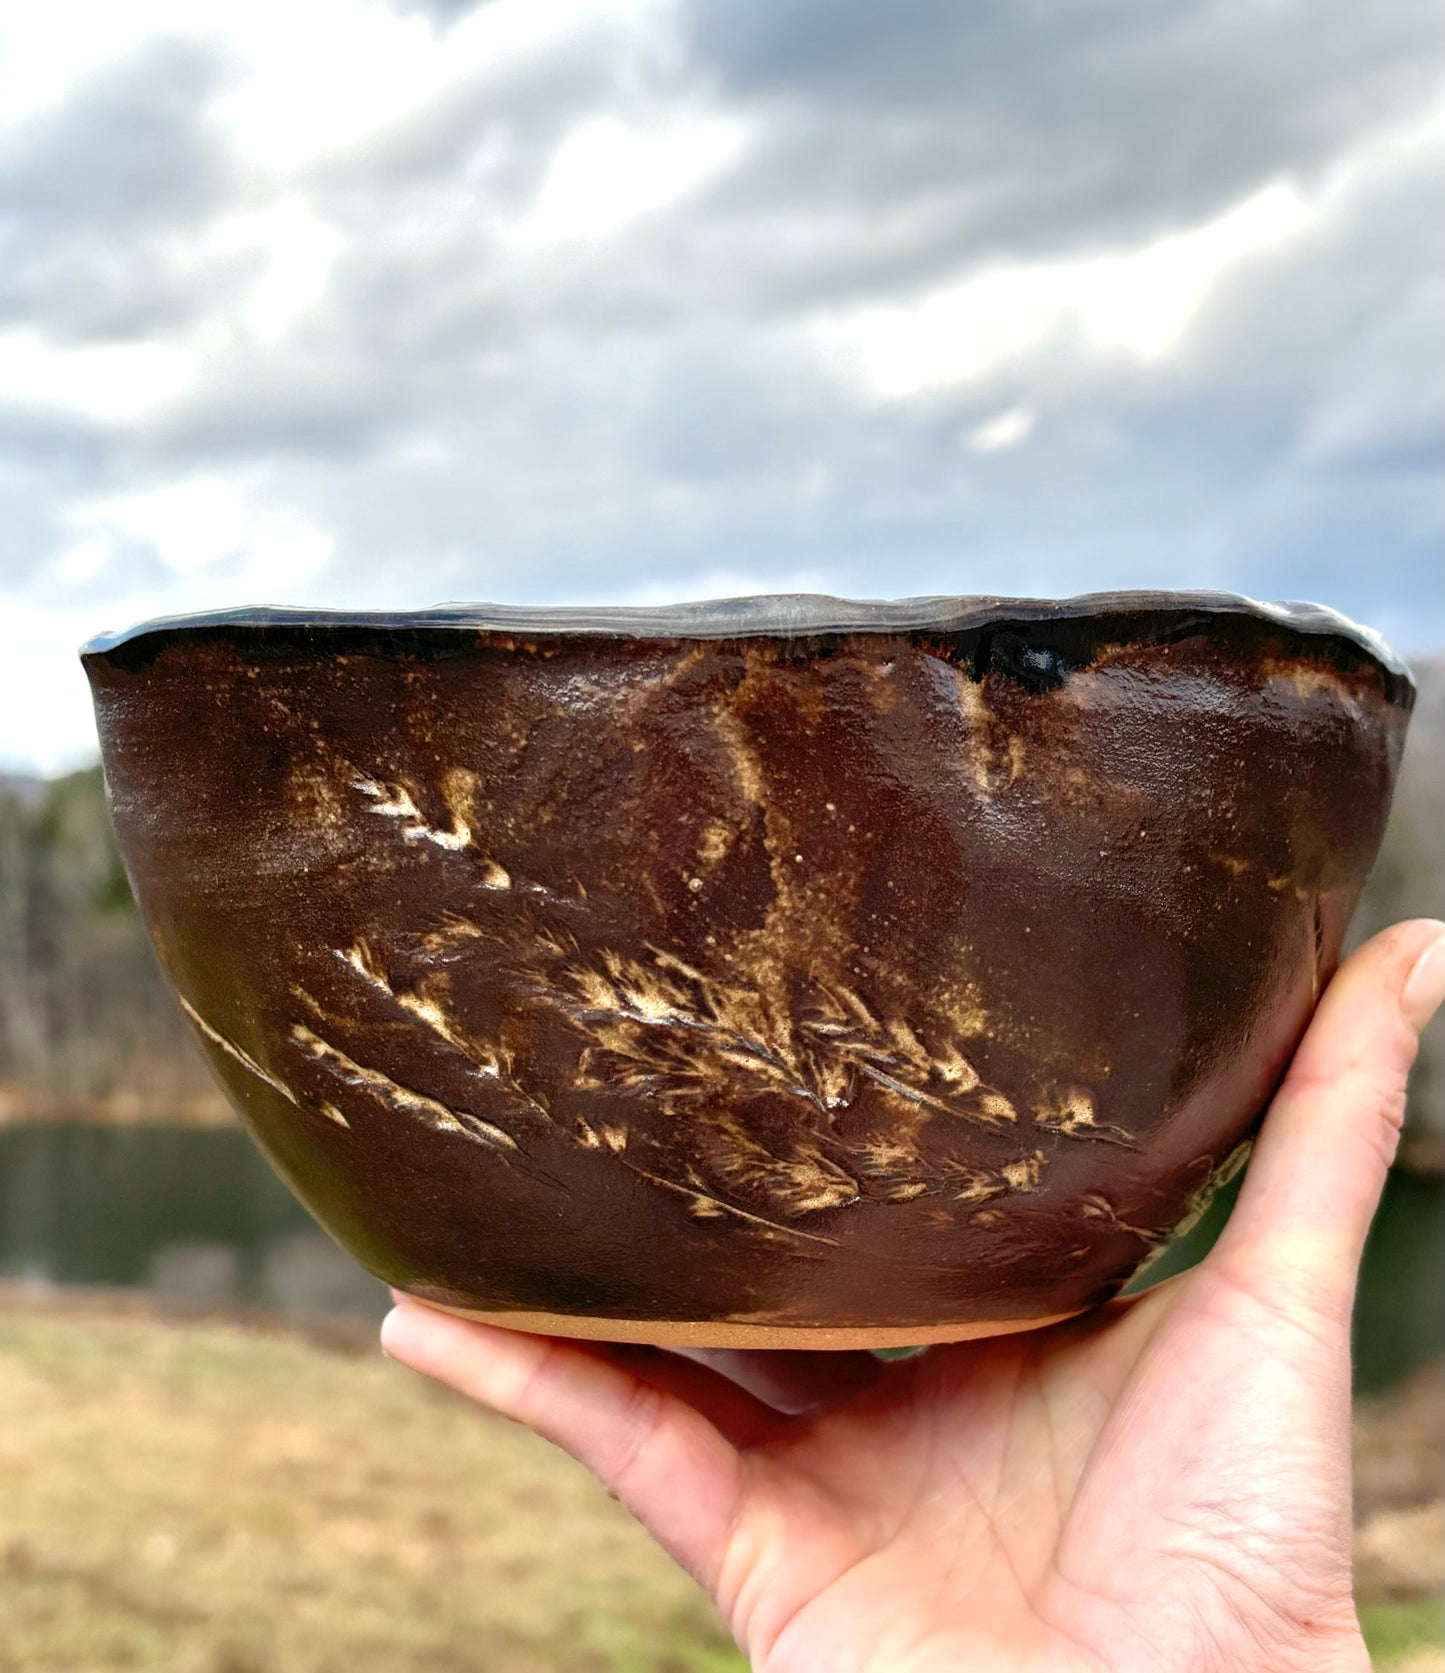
<point>1160,1485</point>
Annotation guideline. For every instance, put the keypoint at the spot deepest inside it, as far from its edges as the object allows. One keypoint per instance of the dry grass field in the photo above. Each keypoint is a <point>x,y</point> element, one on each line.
<point>198,1497</point>
<point>213,1500</point>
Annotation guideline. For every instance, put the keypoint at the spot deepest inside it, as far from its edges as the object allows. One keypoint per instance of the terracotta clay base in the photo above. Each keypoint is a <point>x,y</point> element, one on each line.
<point>721,1333</point>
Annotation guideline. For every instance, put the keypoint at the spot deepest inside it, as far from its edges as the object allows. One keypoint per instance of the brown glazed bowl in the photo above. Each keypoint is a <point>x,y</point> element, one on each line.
<point>779,972</point>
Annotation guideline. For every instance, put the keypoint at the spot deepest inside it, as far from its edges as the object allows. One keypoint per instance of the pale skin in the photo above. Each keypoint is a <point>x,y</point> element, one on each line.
<point>1160,1486</point>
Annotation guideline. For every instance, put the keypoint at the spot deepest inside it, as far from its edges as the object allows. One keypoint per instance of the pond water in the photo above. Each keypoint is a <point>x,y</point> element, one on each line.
<point>197,1215</point>
<point>192,1214</point>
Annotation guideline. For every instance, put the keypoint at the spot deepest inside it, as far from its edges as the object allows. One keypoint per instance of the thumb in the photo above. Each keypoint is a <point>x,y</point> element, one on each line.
<point>1314,1181</point>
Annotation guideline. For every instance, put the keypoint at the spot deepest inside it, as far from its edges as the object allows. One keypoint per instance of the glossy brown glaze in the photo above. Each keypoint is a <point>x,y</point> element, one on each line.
<point>770,967</point>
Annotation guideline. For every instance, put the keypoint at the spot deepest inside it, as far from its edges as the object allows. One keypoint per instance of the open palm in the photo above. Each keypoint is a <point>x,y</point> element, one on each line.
<point>1160,1485</point>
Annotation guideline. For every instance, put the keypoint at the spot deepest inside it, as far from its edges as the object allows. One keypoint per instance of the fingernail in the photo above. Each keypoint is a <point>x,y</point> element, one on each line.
<point>387,1333</point>
<point>1424,987</point>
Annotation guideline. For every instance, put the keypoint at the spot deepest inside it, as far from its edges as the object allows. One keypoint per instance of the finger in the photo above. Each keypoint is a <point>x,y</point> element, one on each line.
<point>792,1383</point>
<point>672,1469</point>
<point>1314,1181</point>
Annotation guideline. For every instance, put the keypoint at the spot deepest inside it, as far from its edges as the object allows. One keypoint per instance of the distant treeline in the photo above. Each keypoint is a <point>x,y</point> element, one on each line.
<point>87,1026</point>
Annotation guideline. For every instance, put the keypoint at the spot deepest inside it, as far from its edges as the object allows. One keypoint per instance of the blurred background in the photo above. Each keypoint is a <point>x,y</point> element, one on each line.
<point>381,303</point>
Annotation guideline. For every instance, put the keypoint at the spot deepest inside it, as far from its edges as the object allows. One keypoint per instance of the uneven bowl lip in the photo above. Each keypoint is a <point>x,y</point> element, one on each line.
<point>1146,615</point>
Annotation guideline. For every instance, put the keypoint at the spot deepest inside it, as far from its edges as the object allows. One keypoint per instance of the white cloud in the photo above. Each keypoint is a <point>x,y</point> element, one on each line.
<point>197,522</point>
<point>1144,303</point>
<point>607,172</point>
<point>190,525</point>
<point>297,250</point>
<point>84,562</point>
<point>116,383</point>
<point>43,690</point>
<point>1138,304</point>
<point>326,77</point>
<point>1010,428</point>
<point>310,78</point>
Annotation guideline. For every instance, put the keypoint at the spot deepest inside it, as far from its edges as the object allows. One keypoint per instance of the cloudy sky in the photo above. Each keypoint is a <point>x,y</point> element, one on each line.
<point>368,304</point>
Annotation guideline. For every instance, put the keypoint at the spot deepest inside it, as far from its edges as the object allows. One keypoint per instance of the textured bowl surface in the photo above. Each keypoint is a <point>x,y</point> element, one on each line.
<point>780,971</point>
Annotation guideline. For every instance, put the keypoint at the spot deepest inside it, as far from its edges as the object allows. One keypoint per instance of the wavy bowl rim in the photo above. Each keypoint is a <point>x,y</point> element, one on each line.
<point>780,616</point>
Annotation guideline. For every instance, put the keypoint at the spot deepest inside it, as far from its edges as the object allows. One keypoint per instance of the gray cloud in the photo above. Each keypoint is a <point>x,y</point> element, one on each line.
<point>129,150</point>
<point>441,12</point>
<point>93,195</point>
<point>915,137</point>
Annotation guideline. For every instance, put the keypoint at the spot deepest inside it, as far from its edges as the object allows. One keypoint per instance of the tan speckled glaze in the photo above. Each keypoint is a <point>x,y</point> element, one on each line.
<point>794,972</point>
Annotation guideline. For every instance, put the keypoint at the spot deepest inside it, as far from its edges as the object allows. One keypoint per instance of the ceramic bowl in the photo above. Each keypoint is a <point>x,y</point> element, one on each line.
<point>776,972</point>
